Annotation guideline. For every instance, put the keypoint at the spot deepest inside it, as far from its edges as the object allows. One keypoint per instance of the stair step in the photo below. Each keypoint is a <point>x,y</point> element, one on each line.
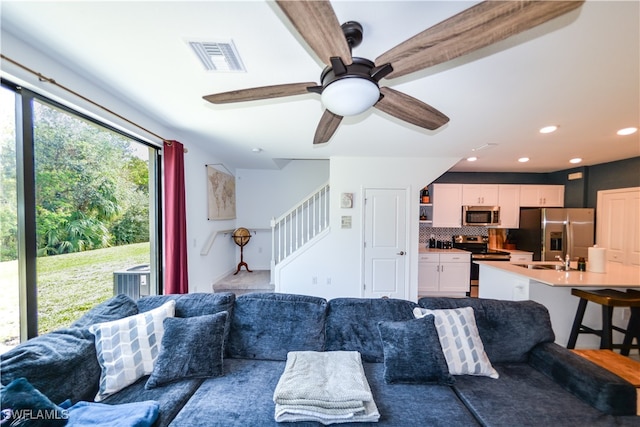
<point>244,282</point>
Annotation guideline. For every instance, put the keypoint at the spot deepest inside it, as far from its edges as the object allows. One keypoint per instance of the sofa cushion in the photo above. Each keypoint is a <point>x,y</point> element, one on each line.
<point>525,397</point>
<point>113,309</point>
<point>593,384</point>
<point>412,352</point>
<point>244,397</point>
<point>352,324</point>
<point>195,304</point>
<point>267,325</point>
<point>191,347</point>
<point>128,348</point>
<point>460,341</point>
<point>20,396</point>
<point>509,329</point>
<point>61,364</point>
<point>171,398</point>
<point>191,305</point>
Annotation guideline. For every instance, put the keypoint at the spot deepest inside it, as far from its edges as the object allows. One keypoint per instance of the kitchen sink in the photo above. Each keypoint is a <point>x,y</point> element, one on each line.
<point>558,267</point>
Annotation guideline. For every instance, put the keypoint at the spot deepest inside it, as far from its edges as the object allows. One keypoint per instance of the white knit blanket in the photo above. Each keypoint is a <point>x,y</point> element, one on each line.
<point>327,387</point>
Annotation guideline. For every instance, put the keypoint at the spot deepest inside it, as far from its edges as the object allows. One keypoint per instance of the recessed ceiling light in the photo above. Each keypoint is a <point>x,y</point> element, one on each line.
<point>471,159</point>
<point>627,131</point>
<point>549,129</point>
<point>523,159</point>
<point>256,150</point>
<point>575,160</point>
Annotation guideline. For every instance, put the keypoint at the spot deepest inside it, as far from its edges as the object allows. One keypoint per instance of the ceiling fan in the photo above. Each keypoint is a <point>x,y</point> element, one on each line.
<point>349,85</point>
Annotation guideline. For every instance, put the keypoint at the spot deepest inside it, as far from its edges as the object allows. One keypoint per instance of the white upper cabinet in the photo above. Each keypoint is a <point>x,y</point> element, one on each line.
<point>447,205</point>
<point>448,199</point>
<point>509,202</point>
<point>480,194</point>
<point>549,196</point>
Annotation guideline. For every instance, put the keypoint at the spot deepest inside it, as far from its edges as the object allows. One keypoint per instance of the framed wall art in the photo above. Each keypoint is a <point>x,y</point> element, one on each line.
<point>221,193</point>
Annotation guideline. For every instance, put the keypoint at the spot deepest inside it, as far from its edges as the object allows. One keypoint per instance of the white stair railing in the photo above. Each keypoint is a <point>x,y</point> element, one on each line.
<point>299,225</point>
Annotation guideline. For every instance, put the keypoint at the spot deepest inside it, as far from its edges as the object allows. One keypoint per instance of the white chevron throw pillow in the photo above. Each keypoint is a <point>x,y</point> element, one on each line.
<point>460,341</point>
<point>128,348</point>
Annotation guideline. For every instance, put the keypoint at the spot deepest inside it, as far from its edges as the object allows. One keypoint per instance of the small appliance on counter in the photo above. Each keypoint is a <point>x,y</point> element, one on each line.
<point>443,244</point>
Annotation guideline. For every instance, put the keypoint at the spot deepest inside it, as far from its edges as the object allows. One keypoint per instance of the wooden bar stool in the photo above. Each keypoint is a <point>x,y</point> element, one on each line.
<point>633,329</point>
<point>608,299</point>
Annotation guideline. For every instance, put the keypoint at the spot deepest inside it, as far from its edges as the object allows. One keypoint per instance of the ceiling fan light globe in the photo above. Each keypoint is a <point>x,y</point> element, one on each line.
<point>350,96</point>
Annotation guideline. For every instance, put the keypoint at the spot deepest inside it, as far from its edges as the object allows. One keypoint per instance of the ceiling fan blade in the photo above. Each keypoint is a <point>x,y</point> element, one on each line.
<point>410,109</point>
<point>256,93</point>
<point>327,127</point>
<point>479,26</point>
<point>318,25</point>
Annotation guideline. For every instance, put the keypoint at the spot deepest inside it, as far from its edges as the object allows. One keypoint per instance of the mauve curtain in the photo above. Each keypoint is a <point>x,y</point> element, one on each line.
<point>176,280</point>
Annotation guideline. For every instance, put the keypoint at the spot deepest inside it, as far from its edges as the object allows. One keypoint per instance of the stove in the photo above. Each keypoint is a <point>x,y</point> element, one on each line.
<point>478,246</point>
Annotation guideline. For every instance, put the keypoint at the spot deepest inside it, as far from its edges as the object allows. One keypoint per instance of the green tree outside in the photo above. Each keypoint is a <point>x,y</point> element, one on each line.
<point>91,190</point>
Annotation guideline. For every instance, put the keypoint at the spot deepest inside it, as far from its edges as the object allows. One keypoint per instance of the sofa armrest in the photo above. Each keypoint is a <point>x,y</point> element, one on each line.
<point>591,383</point>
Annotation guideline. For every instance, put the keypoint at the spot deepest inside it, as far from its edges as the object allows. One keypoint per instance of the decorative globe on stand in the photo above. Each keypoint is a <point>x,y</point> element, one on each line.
<point>241,237</point>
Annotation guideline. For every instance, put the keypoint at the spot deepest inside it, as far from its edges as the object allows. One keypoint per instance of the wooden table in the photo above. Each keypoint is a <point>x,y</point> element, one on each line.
<point>622,366</point>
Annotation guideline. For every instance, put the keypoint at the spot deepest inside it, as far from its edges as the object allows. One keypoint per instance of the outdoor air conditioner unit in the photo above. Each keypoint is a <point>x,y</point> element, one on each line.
<point>133,282</point>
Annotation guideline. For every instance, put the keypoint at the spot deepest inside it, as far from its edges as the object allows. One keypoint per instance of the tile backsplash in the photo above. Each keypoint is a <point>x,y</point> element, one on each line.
<point>446,234</point>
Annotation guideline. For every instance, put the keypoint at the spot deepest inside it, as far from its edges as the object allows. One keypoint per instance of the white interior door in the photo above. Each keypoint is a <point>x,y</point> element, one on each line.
<point>385,243</point>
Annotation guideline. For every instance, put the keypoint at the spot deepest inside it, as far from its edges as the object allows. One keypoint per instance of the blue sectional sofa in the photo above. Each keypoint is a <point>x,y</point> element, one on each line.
<point>540,383</point>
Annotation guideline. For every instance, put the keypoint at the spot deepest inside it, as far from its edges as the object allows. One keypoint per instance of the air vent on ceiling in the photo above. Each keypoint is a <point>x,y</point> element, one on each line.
<point>218,56</point>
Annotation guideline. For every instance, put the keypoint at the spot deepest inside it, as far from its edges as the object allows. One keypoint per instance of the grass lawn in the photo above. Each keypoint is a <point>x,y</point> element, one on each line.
<point>68,285</point>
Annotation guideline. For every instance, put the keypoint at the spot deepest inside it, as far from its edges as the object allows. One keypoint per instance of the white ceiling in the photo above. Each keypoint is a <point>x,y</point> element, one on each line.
<point>579,71</point>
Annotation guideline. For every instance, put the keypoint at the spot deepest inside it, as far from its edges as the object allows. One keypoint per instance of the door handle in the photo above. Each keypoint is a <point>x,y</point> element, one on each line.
<point>401,253</point>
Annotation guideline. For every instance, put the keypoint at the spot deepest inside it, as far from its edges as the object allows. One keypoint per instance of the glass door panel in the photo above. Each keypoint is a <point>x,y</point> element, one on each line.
<point>9,283</point>
<point>92,215</point>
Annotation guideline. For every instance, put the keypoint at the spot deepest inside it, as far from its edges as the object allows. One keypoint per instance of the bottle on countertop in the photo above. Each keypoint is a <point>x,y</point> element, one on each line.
<point>424,196</point>
<point>582,264</point>
<point>432,241</point>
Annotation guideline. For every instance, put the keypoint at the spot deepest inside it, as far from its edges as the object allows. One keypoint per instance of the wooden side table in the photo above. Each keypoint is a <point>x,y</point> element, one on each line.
<point>622,366</point>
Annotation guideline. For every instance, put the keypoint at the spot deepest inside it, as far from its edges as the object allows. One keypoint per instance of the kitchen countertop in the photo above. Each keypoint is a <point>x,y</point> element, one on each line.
<point>617,275</point>
<point>424,250</point>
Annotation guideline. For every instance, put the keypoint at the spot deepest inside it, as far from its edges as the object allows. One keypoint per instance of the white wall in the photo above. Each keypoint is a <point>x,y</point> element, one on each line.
<point>338,256</point>
<point>265,194</point>
<point>206,262</point>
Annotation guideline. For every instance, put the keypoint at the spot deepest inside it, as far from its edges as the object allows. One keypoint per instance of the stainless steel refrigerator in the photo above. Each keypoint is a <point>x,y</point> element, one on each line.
<point>553,232</point>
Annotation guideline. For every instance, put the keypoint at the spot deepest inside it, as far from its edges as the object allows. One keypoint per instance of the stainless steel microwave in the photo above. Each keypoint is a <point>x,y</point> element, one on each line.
<point>481,215</point>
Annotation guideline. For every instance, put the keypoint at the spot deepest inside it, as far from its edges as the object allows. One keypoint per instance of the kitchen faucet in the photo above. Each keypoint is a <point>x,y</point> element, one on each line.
<point>566,262</point>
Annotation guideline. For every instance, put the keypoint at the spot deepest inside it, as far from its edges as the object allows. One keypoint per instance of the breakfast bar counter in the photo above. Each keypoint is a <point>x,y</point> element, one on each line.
<point>551,288</point>
<point>616,276</point>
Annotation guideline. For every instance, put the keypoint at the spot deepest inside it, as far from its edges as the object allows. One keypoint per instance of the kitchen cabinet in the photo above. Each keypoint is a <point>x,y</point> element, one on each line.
<point>444,274</point>
<point>618,225</point>
<point>509,202</point>
<point>447,205</point>
<point>480,194</point>
<point>545,196</point>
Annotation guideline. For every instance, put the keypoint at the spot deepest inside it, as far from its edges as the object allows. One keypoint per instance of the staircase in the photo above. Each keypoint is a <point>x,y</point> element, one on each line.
<point>299,226</point>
